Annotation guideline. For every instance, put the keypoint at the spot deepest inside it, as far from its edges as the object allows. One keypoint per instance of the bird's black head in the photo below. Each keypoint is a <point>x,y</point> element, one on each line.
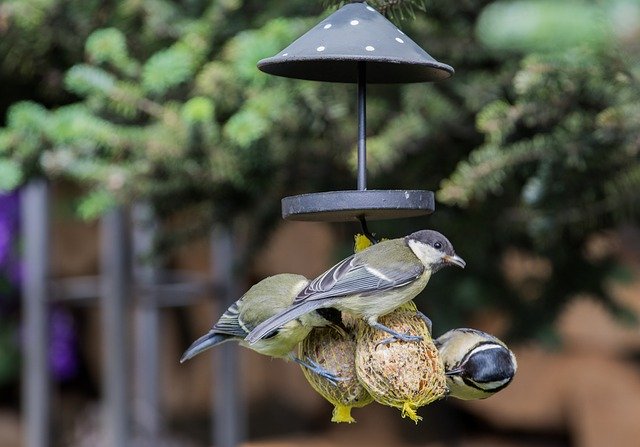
<point>433,249</point>
<point>490,367</point>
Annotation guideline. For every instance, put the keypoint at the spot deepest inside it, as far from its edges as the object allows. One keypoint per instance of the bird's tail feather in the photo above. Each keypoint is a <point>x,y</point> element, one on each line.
<point>279,320</point>
<point>205,342</point>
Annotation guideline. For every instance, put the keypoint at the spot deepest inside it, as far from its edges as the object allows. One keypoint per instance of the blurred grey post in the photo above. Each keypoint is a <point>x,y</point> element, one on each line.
<point>35,234</point>
<point>115,289</point>
<point>146,316</point>
<point>228,417</point>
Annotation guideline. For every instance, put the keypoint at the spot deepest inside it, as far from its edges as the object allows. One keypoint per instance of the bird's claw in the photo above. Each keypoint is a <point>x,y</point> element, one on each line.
<point>395,336</point>
<point>399,337</point>
<point>426,320</point>
<point>330,377</point>
<point>315,368</point>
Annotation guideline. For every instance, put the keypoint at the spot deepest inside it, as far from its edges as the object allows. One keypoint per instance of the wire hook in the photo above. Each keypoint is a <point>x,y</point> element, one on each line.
<point>365,229</point>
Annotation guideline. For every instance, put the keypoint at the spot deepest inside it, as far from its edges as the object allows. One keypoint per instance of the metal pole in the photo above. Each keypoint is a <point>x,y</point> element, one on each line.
<point>35,392</point>
<point>362,126</point>
<point>115,282</point>
<point>147,328</point>
<point>228,417</point>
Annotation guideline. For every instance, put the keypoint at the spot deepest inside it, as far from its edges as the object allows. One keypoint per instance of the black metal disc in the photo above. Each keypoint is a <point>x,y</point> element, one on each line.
<point>342,206</point>
<point>356,33</point>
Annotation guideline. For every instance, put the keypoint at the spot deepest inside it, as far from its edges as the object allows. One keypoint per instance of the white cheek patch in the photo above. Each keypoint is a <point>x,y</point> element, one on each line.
<point>426,253</point>
<point>485,347</point>
<point>489,386</point>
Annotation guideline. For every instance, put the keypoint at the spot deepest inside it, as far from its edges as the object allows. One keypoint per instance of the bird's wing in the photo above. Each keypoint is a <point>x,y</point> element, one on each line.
<point>354,276</point>
<point>230,324</point>
<point>380,268</point>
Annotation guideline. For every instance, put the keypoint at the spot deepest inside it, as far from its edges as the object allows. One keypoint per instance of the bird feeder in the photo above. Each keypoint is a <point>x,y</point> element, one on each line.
<point>357,44</point>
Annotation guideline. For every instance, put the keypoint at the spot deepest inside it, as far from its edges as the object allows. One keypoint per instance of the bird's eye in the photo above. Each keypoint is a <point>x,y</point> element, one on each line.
<point>437,246</point>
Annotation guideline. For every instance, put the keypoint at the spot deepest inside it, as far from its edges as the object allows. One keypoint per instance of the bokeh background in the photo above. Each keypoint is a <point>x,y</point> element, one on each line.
<point>154,110</point>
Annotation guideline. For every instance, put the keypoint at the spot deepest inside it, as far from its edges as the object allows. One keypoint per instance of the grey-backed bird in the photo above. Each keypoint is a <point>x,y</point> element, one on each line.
<point>372,282</point>
<point>477,364</point>
<point>263,300</point>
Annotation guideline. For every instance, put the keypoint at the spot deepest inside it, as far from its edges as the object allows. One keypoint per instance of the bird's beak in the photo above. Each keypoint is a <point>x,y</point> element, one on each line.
<point>455,260</point>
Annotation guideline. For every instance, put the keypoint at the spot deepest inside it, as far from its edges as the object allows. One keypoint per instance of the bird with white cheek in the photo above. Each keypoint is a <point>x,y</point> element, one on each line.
<point>477,364</point>
<point>371,283</point>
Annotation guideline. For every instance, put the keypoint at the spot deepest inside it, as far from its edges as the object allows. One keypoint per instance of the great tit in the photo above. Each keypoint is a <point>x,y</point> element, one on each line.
<point>477,364</point>
<point>263,300</point>
<point>372,282</point>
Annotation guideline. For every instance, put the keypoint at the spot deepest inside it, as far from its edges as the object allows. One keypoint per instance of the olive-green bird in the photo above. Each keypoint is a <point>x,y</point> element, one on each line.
<point>263,300</point>
<point>371,283</point>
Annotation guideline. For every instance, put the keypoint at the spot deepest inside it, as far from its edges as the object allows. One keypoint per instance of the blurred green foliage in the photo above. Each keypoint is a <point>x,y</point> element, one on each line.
<point>536,136</point>
<point>394,9</point>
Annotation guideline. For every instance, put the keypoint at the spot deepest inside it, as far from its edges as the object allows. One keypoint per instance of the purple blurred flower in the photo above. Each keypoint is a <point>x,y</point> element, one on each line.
<point>63,355</point>
<point>9,286</point>
<point>6,239</point>
<point>9,228</point>
<point>10,206</point>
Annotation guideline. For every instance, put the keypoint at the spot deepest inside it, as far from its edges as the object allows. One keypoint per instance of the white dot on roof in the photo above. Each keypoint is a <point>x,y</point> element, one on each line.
<point>370,8</point>
<point>320,49</point>
<point>285,54</point>
<point>354,22</point>
<point>369,48</point>
<point>327,26</point>
<point>399,40</point>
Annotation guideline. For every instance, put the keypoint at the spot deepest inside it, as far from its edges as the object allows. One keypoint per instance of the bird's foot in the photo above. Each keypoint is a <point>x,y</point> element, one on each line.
<point>315,368</point>
<point>395,335</point>
<point>426,320</point>
<point>399,337</point>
